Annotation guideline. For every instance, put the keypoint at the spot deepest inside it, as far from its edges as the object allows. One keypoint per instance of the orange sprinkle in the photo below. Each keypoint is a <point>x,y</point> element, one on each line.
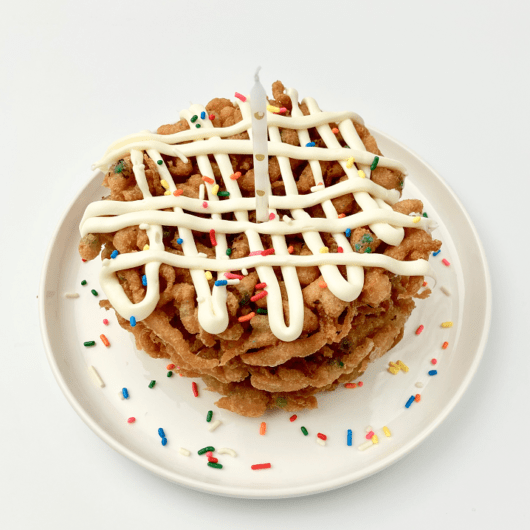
<point>246,318</point>
<point>342,215</point>
<point>176,193</point>
<point>335,130</point>
<point>424,284</point>
<point>417,398</point>
<point>290,249</point>
<point>208,180</point>
<point>170,366</point>
<point>350,385</point>
<point>263,428</point>
<point>104,340</point>
<point>236,175</point>
<point>444,345</point>
<point>323,285</point>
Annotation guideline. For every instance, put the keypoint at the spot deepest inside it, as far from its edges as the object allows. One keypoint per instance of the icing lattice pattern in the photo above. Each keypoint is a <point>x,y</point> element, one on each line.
<point>374,200</point>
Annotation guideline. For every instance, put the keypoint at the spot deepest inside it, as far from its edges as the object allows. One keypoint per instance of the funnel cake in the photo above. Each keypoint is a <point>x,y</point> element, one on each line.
<point>267,314</point>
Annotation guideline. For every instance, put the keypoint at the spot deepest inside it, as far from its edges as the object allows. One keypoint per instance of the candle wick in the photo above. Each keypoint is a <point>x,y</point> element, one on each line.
<point>256,76</point>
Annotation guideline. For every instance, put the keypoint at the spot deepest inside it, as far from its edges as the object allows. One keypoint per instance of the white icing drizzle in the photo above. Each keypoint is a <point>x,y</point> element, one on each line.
<point>375,201</point>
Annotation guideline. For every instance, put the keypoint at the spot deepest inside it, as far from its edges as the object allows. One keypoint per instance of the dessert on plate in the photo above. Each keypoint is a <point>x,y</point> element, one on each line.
<point>267,314</point>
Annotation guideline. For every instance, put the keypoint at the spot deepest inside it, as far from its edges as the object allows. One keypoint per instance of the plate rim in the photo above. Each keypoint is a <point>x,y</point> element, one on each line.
<point>266,493</point>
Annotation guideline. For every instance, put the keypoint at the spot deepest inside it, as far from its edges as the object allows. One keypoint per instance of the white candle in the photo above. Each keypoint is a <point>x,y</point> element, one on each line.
<point>258,106</point>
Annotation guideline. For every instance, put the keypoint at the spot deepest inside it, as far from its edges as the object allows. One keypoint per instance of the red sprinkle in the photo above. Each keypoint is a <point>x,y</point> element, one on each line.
<point>211,117</point>
<point>272,216</point>
<point>106,322</point>
<point>212,237</point>
<point>360,383</point>
<point>209,453</point>
<point>433,361</point>
<point>104,340</point>
<point>208,180</point>
<point>335,130</point>
<point>420,329</point>
<point>240,96</point>
<point>444,345</point>
<point>293,417</point>
<point>260,466</point>
<point>322,436</point>
<point>170,366</point>
<point>445,262</point>
<point>213,459</point>
<point>340,250</point>
<point>255,253</point>
<point>369,435</point>
<point>258,296</point>
<point>342,215</point>
<point>132,419</point>
<point>268,252</point>
<point>283,110</point>
<point>205,204</point>
<point>195,389</point>
<point>322,285</point>
<point>176,193</point>
<point>417,398</point>
<point>290,249</point>
<point>232,276</point>
<point>260,286</point>
<point>424,284</point>
<point>83,260</point>
<point>350,385</point>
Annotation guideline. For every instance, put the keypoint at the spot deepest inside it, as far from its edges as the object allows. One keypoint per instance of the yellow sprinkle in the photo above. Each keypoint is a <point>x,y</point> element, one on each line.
<point>403,366</point>
<point>324,250</point>
<point>416,219</point>
<point>375,439</point>
<point>350,162</point>
<point>167,193</point>
<point>394,365</point>
<point>272,108</point>
<point>215,189</point>
<point>146,247</point>
<point>164,184</point>
<point>361,174</point>
<point>393,370</point>
<point>208,275</point>
<point>386,430</point>
<point>447,324</point>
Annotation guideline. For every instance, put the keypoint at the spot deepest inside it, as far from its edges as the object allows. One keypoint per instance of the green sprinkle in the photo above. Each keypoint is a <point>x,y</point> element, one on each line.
<point>341,364</point>
<point>245,300</point>
<point>209,416</point>
<point>374,163</point>
<point>304,430</point>
<point>94,292</point>
<point>194,118</point>
<point>83,282</point>
<point>152,383</point>
<point>281,401</point>
<point>205,449</point>
<point>159,162</point>
<point>170,373</point>
<point>120,166</point>
<point>357,247</point>
<point>368,250</point>
<point>198,125</point>
<point>223,194</point>
<point>400,183</point>
<point>425,214</point>
<point>261,311</point>
<point>228,251</point>
<point>217,466</point>
<point>89,343</point>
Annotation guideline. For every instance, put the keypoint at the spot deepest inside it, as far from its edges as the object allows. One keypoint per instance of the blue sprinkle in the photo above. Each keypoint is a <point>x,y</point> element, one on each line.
<point>348,232</point>
<point>125,393</point>
<point>144,280</point>
<point>433,372</point>
<point>164,441</point>
<point>436,253</point>
<point>203,115</point>
<point>310,144</point>
<point>114,254</point>
<point>409,402</point>
<point>132,321</point>
<point>161,433</point>
<point>220,283</point>
<point>180,241</point>
<point>349,439</point>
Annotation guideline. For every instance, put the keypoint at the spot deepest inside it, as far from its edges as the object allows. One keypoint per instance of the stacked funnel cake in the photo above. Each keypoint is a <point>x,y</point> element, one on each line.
<point>267,314</point>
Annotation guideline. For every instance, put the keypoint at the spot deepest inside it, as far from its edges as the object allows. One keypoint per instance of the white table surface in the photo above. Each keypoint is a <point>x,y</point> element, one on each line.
<point>448,79</point>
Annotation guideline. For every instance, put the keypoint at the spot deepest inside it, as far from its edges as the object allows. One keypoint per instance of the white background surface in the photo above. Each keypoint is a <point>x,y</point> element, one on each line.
<point>450,81</point>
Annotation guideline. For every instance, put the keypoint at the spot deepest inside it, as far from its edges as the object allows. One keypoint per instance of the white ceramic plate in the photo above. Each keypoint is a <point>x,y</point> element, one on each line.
<point>299,465</point>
